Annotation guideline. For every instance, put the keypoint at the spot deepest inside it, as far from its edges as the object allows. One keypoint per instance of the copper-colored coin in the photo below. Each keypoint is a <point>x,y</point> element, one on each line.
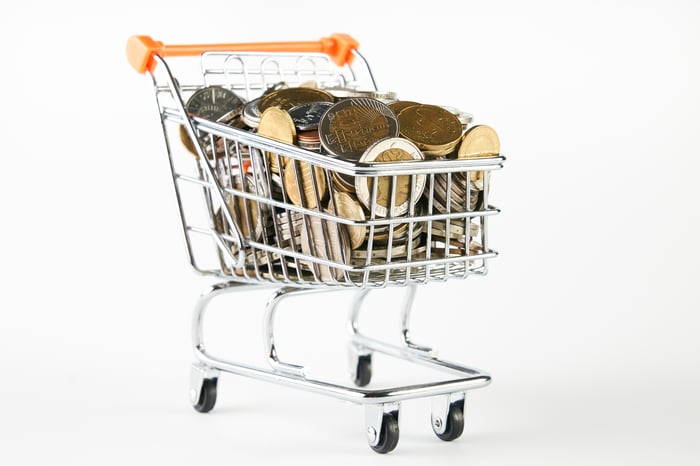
<point>349,127</point>
<point>309,140</point>
<point>308,136</point>
<point>430,127</point>
<point>292,96</point>
<point>276,124</point>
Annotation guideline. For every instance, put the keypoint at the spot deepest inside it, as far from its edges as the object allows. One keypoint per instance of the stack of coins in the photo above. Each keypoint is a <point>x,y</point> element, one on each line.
<point>392,241</point>
<point>453,192</point>
<point>307,117</point>
<point>328,240</point>
<point>251,218</point>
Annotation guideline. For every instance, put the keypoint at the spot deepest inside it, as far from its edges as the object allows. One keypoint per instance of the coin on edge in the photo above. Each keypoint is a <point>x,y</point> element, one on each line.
<point>394,149</point>
<point>302,185</point>
<point>347,207</point>
<point>479,141</point>
<point>276,124</point>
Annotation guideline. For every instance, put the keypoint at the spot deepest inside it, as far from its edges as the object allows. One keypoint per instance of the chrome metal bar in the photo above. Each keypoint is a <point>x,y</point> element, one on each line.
<point>406,308</point>
<point>202,156</point>
<point>470,379</point>
<point>407,353</point>
<point>270,312</point>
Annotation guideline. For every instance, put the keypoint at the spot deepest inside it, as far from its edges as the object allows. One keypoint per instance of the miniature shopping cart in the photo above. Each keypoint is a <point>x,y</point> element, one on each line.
<point>241,226</point>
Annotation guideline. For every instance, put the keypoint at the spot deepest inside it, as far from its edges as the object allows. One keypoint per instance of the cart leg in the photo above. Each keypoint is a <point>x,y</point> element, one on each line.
<point>382,423</point>
<point>204,378</point>
<point>359,356</point>
<point>406,324</point>
<point>270,311</point>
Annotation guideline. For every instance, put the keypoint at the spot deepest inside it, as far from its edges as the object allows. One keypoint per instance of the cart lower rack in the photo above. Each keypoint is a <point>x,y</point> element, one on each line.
<point>292,170</point>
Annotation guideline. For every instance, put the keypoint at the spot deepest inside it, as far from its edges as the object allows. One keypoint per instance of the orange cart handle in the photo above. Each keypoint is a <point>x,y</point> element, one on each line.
<point>141,49</point>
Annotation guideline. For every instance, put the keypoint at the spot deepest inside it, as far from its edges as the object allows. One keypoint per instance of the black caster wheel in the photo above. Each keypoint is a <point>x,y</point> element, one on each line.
<point>207,396</point>
<point>363,371</point>
<point>455,422</point>
<point>388,434</point>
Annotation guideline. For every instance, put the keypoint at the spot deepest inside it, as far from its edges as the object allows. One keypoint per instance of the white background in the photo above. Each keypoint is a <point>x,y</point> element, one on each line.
<point>587,321</point>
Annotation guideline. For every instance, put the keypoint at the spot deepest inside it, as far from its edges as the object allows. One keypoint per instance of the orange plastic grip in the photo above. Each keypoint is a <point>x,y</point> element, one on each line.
<point>141,49</point>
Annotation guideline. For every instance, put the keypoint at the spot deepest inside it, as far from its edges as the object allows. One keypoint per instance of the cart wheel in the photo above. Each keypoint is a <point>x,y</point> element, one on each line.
<point>388,434</point>
<point>363,372</point>
<point>207,396</point>
<point>455,422</point>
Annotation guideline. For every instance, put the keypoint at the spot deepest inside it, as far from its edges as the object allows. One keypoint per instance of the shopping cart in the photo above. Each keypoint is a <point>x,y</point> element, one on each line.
<point>244,225</point>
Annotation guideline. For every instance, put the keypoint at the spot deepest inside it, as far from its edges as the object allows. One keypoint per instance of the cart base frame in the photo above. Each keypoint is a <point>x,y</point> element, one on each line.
<point>382,406</point>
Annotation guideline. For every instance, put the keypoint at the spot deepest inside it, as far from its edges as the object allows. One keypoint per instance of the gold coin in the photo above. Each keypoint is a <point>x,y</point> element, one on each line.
<point>390,150</point>
<point>299,174</point>
<point>276,124</point>
<point>292,96</point>
<point>343,182</point>
<point>187,141</point>
<point>479,141</point>
<point>347,207</point>
<point>430,127</point>
<point>400,105</point>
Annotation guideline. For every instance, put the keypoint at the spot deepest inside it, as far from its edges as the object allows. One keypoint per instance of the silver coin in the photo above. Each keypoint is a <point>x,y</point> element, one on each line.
<point>352,125</point>
<point>328,241</point>
<point>312,146</point>
<point>212,102</point>
<point>307,116</point>
<point>463,117</point>
<point>251,113</point>
<point>383,253</point>
<point>456,232</point>
<point>257,258</point>
<point>350,92</point>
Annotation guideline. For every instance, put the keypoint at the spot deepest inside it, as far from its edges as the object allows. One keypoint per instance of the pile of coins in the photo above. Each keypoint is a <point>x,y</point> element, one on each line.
<point>355,220</point>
